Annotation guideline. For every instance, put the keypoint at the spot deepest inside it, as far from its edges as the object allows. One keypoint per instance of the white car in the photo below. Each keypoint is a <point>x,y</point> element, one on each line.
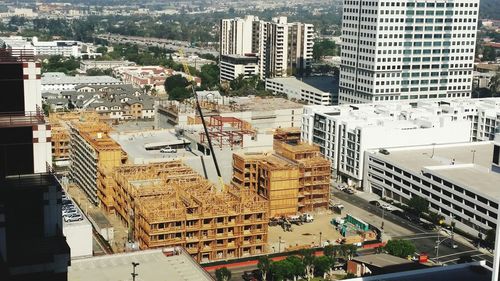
<point>168,150</point>
<point>387,207</point>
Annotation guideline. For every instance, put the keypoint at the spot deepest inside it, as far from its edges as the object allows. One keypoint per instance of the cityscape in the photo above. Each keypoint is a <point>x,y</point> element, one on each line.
<point>250,140</point>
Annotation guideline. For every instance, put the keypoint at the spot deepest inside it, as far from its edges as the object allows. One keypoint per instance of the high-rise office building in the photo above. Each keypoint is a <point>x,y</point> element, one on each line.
<point>407,50</point>
<point>283,49</point>
<point>32,245</point>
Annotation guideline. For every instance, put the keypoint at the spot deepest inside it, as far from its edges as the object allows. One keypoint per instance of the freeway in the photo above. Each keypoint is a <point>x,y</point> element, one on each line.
<point>424,240</point>
<point>157,42</point>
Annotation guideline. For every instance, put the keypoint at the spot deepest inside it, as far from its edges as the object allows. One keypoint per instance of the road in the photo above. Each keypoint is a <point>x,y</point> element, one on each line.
<point>424,240</point>
<point>157,42</point>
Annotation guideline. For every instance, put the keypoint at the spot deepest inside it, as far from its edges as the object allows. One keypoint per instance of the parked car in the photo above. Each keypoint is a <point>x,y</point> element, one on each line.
<point>349,191</point>
<point>307,217</point>
<point>387,207</point>
<point>168,150</point>
<point>375,203</point>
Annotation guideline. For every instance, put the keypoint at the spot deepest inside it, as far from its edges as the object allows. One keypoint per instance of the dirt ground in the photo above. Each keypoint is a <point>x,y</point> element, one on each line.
<point>306,234</point>
<point>120,231</point>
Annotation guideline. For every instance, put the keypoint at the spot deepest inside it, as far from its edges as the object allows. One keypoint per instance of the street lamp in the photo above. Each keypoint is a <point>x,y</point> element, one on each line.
<point>473,155</point>
<point>320,233</point>
<point>134,264</point>
<point>279,245</point>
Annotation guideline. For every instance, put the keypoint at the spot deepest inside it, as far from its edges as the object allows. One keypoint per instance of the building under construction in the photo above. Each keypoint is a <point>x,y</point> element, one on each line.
<point>168,204</point>
<point>295,179</point>
<point>93,156</point>
<point>59,123</point>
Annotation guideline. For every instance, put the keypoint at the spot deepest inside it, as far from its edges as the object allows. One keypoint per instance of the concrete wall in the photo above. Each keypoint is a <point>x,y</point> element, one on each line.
<point>79,238</point>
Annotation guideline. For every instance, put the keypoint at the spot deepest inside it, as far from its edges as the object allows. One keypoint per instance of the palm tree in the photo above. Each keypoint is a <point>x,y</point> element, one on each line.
<point>264,265</point>
<point>495,83</point>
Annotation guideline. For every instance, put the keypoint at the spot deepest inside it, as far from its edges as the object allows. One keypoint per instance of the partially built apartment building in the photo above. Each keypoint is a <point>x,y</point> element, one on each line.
<point>294,179</point>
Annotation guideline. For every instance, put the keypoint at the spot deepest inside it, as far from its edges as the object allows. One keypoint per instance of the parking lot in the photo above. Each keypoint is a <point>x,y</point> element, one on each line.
<point>70,212</point>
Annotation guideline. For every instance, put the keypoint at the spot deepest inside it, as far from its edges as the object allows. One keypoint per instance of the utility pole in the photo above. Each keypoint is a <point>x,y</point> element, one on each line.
<point>452,232</point>
<point>134,265</point>
<point>383,217</point>
<point>320,233</point>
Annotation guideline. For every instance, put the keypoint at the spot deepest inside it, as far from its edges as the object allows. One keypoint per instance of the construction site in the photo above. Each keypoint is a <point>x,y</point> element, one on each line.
<point>169,204</point>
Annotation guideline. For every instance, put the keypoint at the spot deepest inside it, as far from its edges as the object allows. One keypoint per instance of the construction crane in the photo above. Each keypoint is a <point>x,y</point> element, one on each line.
<point>200,112</point>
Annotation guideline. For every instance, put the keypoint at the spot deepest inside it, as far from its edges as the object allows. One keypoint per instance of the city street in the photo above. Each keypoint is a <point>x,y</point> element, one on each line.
<point>425,241</point>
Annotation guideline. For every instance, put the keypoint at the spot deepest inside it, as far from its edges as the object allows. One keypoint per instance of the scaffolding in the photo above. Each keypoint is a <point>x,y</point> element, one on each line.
<point>273,177</point>
<point>296,179</point>
<point>314,190</point>
<point>168,204</point>
<point>60,135</point>
<point>226,131</point>
<point>288,135</point>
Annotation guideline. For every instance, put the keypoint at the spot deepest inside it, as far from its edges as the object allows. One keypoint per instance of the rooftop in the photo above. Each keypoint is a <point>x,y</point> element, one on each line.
<point>326,84</point>
<point>153,265</point>
<point>61,78</point>
<point>452,162</point>
<point>382,260</point>
<point>252,103</point>
<point>460,272</point>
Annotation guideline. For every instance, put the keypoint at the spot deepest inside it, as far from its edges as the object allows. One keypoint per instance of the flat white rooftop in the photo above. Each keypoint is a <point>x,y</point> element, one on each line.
<point>153,265</point>
<point>466,164</point>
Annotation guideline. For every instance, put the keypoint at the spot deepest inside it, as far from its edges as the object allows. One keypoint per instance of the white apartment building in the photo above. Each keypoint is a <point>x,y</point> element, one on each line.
<point>407,50</point>
<point>456,179</point>
<point>232,66</point>
<point>65,48</point>
<point>282,48</point>
<point>103,65</point>
<point>296,89</point>
<point>53,48</point>
<point>345,132</point>
<point>58,81</point>
<point>236,36</point>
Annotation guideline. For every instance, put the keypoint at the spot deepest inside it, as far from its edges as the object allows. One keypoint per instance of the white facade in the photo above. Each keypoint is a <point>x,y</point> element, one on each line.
<point>53,48</point>
<point>446,176</point>
<point>393,50</point>
<point>236,36</point>
<point>345,132</point>
<point>79,238</point>
<point>282,48</point>
<point>232,66</point>
<point>298,90</point>
<point>103,65</point>
<point>58,82</point>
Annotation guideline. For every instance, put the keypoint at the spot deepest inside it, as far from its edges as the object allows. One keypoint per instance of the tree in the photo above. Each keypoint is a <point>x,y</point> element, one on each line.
<point>175,81</point>
<point>495,83</point>
<point>223,274</point>
<point>308,258</point>
<point>489,240</point>
<point>324,48</point>
<point>418,205</point>
<point>179,94</point>
<point>322,265</point>
<point>209,76</point>
<point>281,270</point>
<point>296,265</point>
<point>103,50</point>
<point>400,248</point>
<point>489,54</point>
<point>330,251</point>
<point>264,266</point>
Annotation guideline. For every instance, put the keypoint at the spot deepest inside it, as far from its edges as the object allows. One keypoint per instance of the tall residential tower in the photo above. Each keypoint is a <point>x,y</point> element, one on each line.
<point>407,50</point>
<point>282,49</point>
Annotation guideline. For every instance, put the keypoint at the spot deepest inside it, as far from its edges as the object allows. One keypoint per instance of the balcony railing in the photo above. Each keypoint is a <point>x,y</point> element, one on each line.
<point>21,118</point>
<point>16,55</point>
